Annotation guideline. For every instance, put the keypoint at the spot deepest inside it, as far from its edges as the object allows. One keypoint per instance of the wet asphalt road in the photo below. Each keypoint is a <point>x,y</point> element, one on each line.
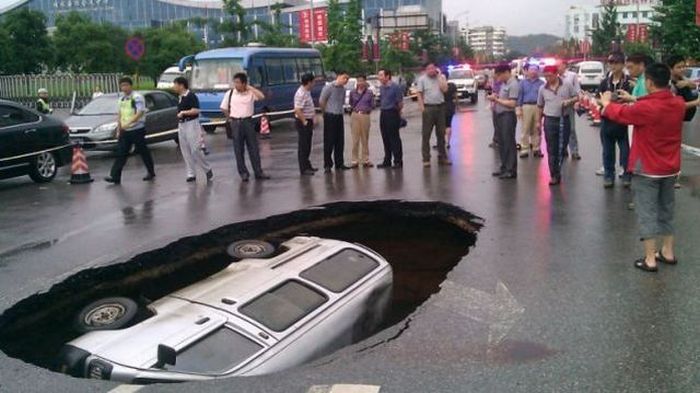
<point>590,322</point>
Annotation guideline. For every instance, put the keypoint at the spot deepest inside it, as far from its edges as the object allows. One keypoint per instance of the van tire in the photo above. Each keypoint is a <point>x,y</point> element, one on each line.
<point>245,249</point>
<point>110,313</point>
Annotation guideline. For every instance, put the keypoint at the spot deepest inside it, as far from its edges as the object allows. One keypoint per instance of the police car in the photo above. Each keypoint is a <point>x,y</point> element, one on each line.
<point>272,310</point>
<point>465,80</point>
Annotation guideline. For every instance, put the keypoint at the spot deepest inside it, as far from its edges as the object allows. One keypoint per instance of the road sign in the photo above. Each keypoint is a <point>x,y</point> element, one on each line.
<point>135,48</point>
<point>585,47</point>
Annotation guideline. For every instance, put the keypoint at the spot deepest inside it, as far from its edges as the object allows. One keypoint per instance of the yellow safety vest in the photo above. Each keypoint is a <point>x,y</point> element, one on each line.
<point>127,109</point>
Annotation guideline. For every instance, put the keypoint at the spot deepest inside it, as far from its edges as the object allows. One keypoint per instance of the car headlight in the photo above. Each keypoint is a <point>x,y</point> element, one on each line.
<point>109,129</point>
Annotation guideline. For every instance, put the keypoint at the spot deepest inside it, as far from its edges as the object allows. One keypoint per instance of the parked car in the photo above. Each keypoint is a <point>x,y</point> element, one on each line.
<point>166,79</point>
<point>97,121</point>
<point>257,316</point>
<point>23,132</point>
<point>590,74</point>
<point>465,81</point>
<point>693,73</point>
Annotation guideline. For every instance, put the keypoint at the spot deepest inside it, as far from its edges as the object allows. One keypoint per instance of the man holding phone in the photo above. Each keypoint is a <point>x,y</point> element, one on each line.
<point>304,112</point>
<point>611,133</point>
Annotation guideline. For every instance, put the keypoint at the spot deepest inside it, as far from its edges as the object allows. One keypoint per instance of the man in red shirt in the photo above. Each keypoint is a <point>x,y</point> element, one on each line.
<point>655,160</point>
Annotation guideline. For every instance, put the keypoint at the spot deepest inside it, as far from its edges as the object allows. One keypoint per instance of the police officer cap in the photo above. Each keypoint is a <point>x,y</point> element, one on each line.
<point>43,91</point>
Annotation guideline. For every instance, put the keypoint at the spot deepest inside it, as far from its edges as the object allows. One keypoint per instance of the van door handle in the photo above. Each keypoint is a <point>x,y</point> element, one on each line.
<point>30,131</point>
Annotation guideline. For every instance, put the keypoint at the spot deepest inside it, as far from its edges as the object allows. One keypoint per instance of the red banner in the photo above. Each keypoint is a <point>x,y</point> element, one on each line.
<point>313,28</point>
<point>632,33</point>
<point>643,33</point>
<point>697,12</point>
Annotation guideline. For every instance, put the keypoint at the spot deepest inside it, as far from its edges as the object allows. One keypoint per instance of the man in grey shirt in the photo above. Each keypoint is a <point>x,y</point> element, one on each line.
<point>332,104</point>
<point>432,86</point>
<point>571,77</point>
<point>555,100</point>
<point>506,121</point>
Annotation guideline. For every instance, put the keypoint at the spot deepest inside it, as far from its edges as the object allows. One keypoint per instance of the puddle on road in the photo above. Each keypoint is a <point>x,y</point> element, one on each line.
<point>422,241</point>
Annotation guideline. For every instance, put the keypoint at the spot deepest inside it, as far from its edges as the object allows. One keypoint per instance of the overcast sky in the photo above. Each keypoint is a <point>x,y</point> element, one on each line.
<point>519,17</point>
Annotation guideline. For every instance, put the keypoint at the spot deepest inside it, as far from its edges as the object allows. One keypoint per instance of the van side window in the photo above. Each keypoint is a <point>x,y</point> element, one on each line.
<point>282,306</point>
<point>340,271</point>
<point>275,74</point>
<point>290,71</point>
<point>304,66</point>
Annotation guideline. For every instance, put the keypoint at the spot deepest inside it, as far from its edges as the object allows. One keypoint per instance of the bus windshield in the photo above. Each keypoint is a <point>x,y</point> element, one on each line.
<point>215,74</point>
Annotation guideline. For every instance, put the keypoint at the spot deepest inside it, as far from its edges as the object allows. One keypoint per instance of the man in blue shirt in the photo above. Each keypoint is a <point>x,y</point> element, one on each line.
<point>391,105</point>
<point>527,112</point>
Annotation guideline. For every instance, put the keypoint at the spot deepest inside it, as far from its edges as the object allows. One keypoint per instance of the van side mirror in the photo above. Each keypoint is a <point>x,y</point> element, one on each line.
<point>166,355</point>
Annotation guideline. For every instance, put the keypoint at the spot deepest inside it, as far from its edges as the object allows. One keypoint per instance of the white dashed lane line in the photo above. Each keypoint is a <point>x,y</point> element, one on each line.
<point>342,388</point>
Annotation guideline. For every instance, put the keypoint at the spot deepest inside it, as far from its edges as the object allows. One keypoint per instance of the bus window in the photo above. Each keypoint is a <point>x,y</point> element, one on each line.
<point>290,71</point>
<point>304,66</point>
<point>275,74</point>
<point>317,68</point>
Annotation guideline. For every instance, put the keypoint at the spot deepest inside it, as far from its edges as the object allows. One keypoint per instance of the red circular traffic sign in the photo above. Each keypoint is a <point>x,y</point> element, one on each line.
<point>135,48</point>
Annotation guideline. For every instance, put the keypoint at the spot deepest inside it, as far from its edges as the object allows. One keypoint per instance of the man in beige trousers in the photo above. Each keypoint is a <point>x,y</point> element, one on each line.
<point>361,105</point>
<point>528,114</point>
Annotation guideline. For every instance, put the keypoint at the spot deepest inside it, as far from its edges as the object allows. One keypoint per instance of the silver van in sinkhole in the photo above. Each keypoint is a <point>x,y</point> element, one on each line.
<point>260,315</point>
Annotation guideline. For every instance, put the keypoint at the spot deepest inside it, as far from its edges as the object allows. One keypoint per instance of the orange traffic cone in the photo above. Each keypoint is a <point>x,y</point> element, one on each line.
<point>264,127</point>
<point>80,174</point>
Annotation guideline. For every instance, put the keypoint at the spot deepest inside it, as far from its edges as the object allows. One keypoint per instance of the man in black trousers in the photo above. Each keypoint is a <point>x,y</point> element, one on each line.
<point>390,120</point>
<point>333,107</point>
<point>304,112</point>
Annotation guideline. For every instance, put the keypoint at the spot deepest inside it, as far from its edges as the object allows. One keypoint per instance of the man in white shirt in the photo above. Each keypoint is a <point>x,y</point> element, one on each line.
<point>238,106</point>
<point>572,78</point>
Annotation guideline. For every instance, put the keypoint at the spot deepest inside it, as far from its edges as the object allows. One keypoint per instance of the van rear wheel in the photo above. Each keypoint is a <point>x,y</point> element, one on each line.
<point>106,314</point>
<point>250,249</point>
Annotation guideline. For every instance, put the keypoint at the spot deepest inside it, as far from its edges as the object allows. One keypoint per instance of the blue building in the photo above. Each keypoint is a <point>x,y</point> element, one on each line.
<point>133,14</point>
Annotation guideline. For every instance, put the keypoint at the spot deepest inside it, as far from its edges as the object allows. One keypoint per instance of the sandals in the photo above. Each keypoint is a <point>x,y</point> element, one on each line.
<point>642,265</point>
<point>661,258</point>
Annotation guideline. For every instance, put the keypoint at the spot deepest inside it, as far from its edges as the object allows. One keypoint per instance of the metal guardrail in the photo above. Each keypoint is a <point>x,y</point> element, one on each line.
<point>62,87</point>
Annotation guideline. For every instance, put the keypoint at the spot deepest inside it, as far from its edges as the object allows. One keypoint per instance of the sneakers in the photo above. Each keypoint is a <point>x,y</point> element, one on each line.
<point>607,183</point>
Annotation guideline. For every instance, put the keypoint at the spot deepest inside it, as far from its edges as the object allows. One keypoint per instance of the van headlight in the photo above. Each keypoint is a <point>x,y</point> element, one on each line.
<point>99,370</point>
<point>108,129</point>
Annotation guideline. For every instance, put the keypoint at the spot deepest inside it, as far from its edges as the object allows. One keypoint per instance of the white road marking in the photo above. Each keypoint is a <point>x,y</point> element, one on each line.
<point>500,311</point>
<point>692,150</point>
<point>126,389</point>
<point>344,388</point>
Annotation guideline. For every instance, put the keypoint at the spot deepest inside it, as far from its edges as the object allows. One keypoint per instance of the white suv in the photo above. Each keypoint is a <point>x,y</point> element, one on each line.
<point>257,316</point>
<point>465,80</point>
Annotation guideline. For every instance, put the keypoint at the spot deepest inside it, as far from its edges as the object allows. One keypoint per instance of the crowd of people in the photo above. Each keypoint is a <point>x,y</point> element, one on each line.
<point>645,107</point>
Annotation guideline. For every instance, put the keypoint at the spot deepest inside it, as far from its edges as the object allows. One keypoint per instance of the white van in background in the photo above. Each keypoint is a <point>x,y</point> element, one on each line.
<point>590,74</point>
<point>165,81</point>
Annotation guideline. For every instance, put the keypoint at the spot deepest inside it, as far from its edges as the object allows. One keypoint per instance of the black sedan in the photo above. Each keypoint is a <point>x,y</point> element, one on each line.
<point>96,124</point>
<point>31,143</point>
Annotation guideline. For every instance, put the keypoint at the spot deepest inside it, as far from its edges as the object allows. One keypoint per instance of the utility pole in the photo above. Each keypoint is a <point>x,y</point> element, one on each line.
<point>313,23</point>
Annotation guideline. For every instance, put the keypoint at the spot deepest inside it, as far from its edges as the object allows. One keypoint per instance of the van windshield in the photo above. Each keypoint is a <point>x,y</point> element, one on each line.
<point>215,74</point>
<point>216,353</point>
<point>169,77</point>
<point>461,74</point>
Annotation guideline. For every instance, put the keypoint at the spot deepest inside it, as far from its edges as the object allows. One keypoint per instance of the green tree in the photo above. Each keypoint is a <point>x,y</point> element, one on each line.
<point>638,47</point>
<point>84,46</point>
<point>675,30</point>
<point>275,33</point>
<point>344,49</point>
<point>237,30</point>
<point>28,46</point>
<point>396,59</point>
<point>607,31</point>
<point>5,55</point>
<point>164,47</point>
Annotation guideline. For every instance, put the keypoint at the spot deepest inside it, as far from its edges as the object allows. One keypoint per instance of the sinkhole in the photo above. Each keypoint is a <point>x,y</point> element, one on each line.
<point>422,241</point>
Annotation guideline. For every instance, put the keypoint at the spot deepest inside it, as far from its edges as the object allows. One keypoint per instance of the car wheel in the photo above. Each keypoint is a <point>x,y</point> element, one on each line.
<point>250,249</point>
<point>209,129</point>
<point>44,168</point>
<point>106,314</point>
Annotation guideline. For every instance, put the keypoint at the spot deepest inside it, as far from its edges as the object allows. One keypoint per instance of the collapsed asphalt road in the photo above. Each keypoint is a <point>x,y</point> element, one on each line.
<point>422,242</point>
